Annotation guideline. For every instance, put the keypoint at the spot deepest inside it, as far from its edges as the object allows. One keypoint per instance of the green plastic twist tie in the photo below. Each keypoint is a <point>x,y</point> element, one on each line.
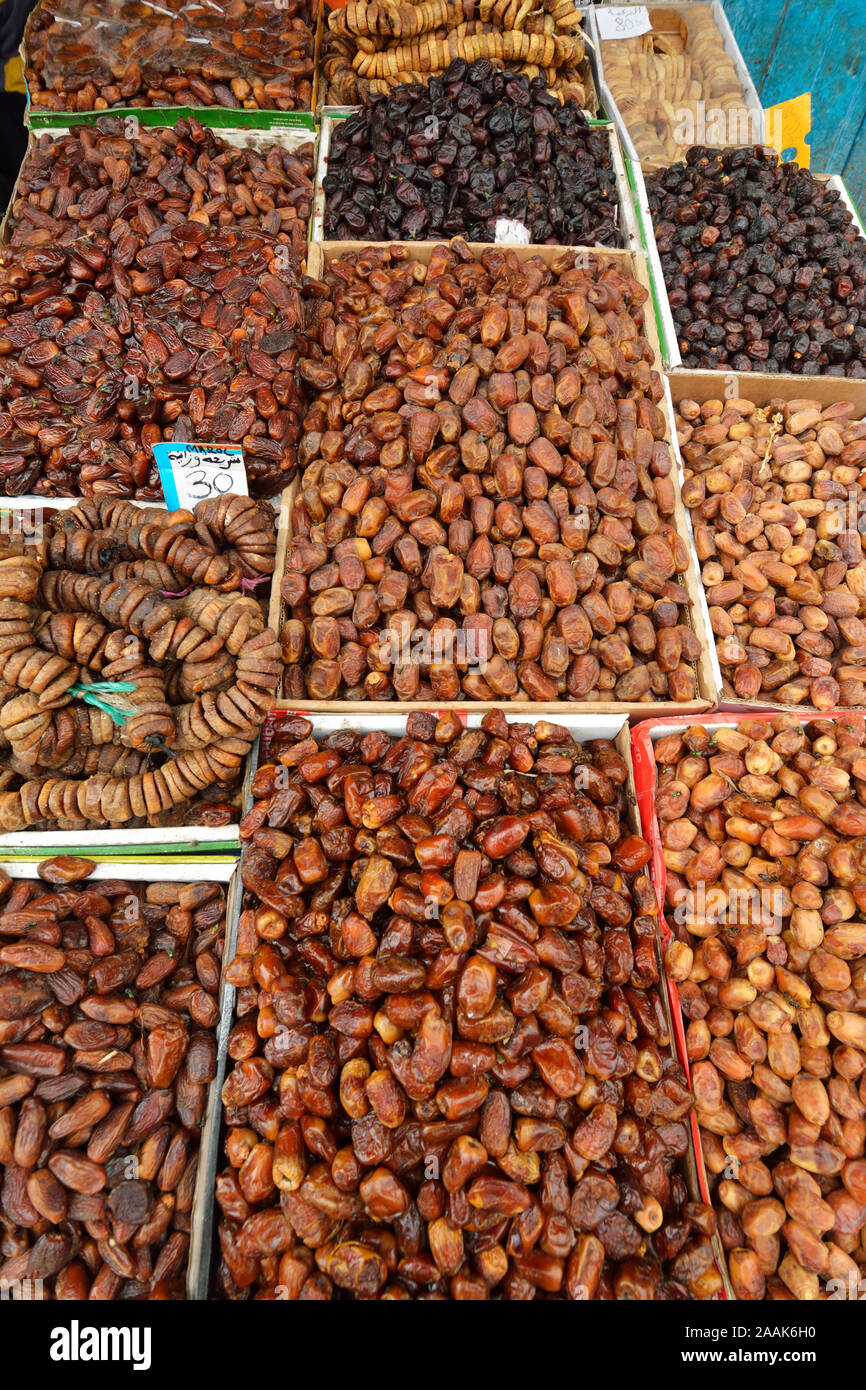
<point>90,695</point>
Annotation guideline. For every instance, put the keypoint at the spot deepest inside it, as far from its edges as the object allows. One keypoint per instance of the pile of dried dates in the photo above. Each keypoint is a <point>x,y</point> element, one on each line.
<point>84,180</point>
<point>108,1015</point>
<point>486,504</point>
<point>85,55</point>
<point>471,148</point>
<point>777,503</point>
<point>762,826</point>
<point>450,1075</point>
<point>764,266</point>
<point>134,330</point>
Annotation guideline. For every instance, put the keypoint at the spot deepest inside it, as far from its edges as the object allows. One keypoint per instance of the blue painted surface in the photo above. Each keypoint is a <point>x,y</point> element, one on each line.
<point>794,46</point>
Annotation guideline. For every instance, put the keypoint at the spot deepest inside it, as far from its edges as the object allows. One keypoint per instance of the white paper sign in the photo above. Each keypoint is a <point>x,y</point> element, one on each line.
<point>622,21</point>
<point>508,229</point>
<point>190,473</point>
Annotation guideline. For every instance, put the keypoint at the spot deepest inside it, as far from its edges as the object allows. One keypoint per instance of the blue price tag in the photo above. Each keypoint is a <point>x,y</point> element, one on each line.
<point>191,473</point>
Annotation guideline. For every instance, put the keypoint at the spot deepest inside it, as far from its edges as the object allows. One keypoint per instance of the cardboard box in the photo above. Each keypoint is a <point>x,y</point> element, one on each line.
<point>671,350</point>
<point>204,1211</point>
<point>643,738</point>
<point>583,727</point>
<point>760,387</point>
<point>329,115</point>
<point>186,871</point>
<point>320,256</point>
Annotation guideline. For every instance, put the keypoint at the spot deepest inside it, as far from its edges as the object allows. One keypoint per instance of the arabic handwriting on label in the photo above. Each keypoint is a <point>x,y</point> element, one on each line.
<point>192,473</point>
<point>623,21</point>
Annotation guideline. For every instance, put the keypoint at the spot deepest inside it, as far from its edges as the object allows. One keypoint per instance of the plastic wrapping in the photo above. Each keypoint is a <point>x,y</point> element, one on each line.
<point>87,54</point>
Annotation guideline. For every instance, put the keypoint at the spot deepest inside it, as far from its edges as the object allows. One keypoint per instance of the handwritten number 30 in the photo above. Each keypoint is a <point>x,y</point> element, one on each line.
<point>219,482</point>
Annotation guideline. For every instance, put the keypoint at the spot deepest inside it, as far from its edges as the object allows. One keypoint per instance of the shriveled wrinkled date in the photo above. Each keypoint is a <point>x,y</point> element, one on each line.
<point>108,1014</point>
<point>92,176</point>
<point>776,501</point>
<point>486,486</point>
<point>85,55</point>
<point>450,1073</point>
<point>763,828</point>
<point>128,337</point>
<point>764,265</point>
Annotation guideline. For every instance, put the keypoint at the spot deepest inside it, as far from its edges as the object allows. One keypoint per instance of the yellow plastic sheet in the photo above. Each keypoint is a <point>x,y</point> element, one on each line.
<point>787,127</point>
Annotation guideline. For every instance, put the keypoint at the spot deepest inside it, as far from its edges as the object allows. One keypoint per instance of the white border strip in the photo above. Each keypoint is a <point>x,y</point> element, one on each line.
<point>189,871</point>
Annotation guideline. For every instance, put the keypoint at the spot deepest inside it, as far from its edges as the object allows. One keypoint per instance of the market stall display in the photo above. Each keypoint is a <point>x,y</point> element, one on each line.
<point>504,502</point>
<point>129,336</point>
<point>86,55</point>
<point>181,172</point>
<point>676,80</point>
<point>370,48</point>
<point>764,265</point>
<point>427,1012</point>
<point>760,826</point>
<point>108,1048</point>
<point>470,149</point>
<point>775,498</point>
<point>411,1112</point>
<point>135,670</point>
